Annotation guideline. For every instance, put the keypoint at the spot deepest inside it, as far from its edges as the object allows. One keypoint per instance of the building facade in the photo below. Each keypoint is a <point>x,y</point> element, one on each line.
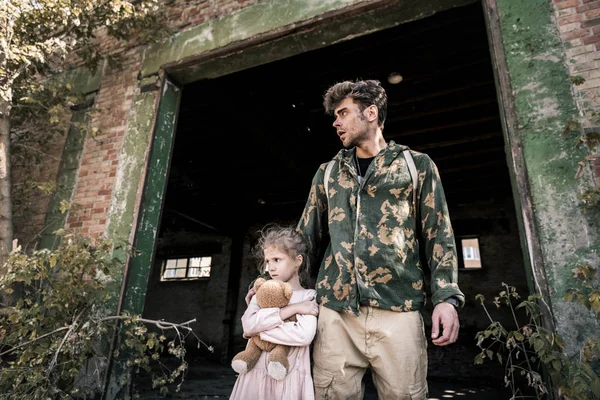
<point>487,90</point>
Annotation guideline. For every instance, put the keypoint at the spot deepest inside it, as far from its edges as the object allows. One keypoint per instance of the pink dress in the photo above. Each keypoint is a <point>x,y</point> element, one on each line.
<point>298,384</point>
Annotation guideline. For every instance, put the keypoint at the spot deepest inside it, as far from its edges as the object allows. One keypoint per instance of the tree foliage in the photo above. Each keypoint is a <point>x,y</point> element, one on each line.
<point>40,41</point>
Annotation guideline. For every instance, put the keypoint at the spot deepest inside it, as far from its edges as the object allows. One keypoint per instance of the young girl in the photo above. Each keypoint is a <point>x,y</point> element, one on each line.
<point>285,255</point>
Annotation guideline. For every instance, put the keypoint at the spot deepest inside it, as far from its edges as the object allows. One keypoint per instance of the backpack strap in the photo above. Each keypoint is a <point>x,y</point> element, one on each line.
<point>413,174</point>
<point>326,178</point>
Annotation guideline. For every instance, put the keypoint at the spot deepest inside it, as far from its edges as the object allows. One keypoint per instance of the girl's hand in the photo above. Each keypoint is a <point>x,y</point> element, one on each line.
<point>249,296</point>
<point>307,307</point>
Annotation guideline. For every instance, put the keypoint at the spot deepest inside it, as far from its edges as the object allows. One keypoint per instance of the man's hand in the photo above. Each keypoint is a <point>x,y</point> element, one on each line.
<point>249,296</point>
<point>307,307</point>
<point>444,314</point>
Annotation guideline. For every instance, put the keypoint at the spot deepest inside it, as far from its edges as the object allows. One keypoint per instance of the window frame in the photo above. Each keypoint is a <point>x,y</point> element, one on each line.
<point>163,268</point>
<point>460,256</point>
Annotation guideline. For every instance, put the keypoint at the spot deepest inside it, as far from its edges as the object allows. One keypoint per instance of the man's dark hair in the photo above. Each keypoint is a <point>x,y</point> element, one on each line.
<point>365,93</point>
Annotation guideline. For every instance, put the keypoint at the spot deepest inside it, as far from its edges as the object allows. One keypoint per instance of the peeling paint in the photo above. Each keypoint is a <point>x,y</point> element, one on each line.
<point>67,176</point>
<point>544,102</point>
<point>154,189</point>
<point>2,163</point>
<point>132,161</point>
<point>130,166</point>
<point>82,81</point>
<point>265,17</point>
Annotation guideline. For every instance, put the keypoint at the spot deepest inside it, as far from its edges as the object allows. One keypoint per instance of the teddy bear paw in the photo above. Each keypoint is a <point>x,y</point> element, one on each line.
<point>276,370</point>
<point>239,366</point>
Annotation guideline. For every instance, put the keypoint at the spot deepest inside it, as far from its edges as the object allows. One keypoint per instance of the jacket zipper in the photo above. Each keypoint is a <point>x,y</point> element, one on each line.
<point>361,183</point>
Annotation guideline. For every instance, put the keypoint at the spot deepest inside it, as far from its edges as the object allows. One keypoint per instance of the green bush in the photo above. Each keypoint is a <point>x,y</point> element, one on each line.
<point>58,334</point>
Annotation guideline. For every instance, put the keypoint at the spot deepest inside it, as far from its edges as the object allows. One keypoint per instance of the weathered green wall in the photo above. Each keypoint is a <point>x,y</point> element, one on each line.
<point>277,29</point>
<point>544,103</point>
<point>131,170</point>
<point>67,175</point>
<point>133,163</point>
<point>542,94</point>
<point>246,23</point>
<point>82,83</point>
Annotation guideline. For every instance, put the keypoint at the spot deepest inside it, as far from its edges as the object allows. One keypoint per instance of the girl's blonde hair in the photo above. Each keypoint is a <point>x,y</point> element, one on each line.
<point>288,240</point>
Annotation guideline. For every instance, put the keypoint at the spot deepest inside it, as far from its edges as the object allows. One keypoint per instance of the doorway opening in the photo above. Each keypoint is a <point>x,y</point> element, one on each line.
<point>248,144</point>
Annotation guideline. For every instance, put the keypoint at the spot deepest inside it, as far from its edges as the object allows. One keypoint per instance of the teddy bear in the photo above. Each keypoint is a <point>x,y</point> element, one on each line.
<point>269,294</point>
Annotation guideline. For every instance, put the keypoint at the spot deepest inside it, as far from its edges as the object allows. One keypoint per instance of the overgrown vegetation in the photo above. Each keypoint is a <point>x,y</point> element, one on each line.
<point>534,357</point>
<point>535,361</point>
<point>41,42</point>
<point>55,341</point>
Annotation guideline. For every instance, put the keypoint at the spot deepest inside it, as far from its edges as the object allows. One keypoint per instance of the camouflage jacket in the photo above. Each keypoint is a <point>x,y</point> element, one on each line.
<point>373,253</point>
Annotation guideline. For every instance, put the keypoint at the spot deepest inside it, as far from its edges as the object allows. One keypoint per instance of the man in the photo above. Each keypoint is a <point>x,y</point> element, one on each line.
<point>370,283</point>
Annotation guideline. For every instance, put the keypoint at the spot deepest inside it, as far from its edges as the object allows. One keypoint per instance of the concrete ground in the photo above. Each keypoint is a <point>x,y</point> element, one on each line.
<point>216,382</point>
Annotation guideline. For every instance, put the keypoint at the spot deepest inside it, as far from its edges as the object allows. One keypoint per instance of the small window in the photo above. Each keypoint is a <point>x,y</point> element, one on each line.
<point>186,268</point>
<point>470,253</point>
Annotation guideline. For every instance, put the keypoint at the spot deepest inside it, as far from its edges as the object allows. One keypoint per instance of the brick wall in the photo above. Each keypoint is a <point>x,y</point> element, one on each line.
<point>185,14</point>
<point>99,161</point>
<point>579,25</point>
<point>113,102</point>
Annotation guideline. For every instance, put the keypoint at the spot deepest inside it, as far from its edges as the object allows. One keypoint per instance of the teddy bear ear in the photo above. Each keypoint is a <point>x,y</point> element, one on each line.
<point>287,290</point>
<point>258,283</point>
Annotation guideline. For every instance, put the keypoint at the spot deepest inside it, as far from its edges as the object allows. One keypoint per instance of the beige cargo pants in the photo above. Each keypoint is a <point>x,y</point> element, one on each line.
<point>392,343</point>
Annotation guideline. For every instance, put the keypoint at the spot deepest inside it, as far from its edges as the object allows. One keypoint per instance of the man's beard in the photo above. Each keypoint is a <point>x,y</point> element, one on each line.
<point>359,139</point>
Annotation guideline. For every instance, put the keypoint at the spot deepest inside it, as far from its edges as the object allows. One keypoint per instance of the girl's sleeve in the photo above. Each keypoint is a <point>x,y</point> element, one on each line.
<point>299,333</point>
<point>256,320</point>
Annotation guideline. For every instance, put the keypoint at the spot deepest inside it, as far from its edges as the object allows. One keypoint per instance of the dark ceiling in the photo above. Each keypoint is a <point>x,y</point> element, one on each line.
<point>247,144</point>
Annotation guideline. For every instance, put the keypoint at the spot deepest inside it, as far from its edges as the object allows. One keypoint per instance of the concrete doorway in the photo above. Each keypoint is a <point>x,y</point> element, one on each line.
<point>248,144</point>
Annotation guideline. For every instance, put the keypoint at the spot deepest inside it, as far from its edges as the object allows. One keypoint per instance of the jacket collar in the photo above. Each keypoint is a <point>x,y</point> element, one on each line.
<point>391,151</point>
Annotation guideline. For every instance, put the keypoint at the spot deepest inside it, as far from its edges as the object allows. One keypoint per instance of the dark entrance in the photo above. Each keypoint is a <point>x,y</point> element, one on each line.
<point>248,144</point>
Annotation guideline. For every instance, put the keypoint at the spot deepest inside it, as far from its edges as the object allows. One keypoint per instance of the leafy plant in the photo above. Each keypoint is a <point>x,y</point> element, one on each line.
<point>587,294</point>
<point>591,198</point>
<point>58,332</point>
<point>42,42</point>
<point>534,357</point>
<point>591,141</point>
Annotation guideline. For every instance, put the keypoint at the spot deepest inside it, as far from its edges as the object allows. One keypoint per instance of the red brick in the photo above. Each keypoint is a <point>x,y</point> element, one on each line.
<point>579,33</point>
<point>592,14</point>
<point>566,4</point>
<point>587,7</point>
<point>591,39</point>
<point>113,103</point>
<point>570,19</point>
<point>590,23</point>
